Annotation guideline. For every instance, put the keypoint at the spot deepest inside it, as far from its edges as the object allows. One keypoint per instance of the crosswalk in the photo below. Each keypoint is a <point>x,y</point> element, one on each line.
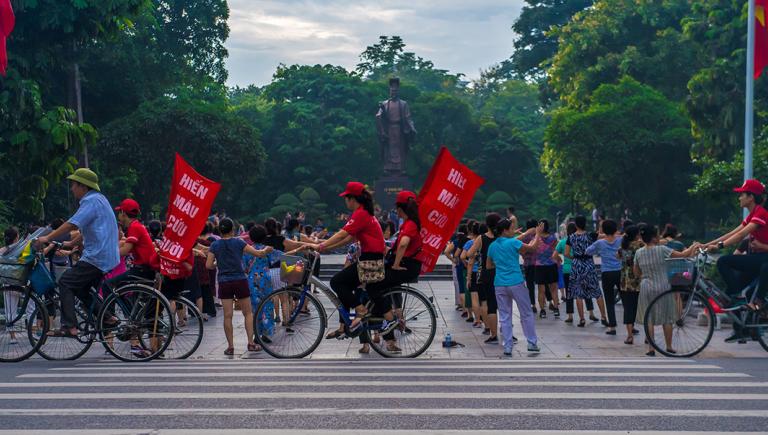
<point>529,395</point>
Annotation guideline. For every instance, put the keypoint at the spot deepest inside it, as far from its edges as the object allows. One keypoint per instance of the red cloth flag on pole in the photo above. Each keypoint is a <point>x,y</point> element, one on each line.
<point>443,200</point>
<point>190,204</point>
<point>761,36</point>
<point>7,21</point>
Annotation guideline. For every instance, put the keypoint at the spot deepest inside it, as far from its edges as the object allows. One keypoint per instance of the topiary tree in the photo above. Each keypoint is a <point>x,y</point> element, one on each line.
<point>498,201</point>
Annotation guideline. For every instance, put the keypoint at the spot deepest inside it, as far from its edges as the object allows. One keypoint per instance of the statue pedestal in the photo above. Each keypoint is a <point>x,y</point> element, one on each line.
<point>387,187</point>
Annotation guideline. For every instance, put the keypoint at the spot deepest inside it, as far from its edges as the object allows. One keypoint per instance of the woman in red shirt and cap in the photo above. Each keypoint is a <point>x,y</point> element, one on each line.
<point>402,265</point>
<point>739,270</point>
<point>363,227</point>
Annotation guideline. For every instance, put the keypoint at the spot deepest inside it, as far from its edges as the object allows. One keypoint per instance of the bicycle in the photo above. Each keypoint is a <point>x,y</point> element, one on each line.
<point>188,330</point>
<point>687,313</point>
<point>134,324</point>
<point>24,315</point>
<point>301,319</point>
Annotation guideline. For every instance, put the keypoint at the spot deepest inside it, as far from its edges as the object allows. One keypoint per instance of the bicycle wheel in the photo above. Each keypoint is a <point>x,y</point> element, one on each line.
<point>67,348</point>
<point>188,331</point>
<point>24,323</point>
<point>415,328</point>
<point>297,334</point>
<point>761,318</point>
<point>135,323</point>
<point>679,323</point>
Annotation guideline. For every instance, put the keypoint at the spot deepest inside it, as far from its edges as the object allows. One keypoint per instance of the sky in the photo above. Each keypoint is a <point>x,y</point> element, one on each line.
<point>462,36</point>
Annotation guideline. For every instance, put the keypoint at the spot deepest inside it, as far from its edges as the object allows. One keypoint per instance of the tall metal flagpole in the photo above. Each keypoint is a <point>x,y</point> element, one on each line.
<point>749,113</point>
<point>750,92</point>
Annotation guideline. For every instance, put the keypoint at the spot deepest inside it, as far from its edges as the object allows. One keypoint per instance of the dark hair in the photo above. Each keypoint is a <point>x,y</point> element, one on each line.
<point>155,228</point>
<point>531,223</point>
<point>670,231</point>
<point>546,225</point>
<point>207,228</point>
<point>473,227</point>
<point>257,234</point>
<point>308,229</point>
<point>481,229</point>
<point>250,225</point>
<point>10,235</point>
<point>648,232</point>
<point>411,209</point>
<point>226,225</point>
<point>758,198</point>
<point>462,229</point>
<point>293,223</point>
<point>581,222</point>
<point>502,226</point>
<point>387,224</point>
<point>56,223</point>
<point>627,223</point>
<point>366,200</point>
<point>609,227</point>
<point>630,234</point>
<point>271,225</point>
<point>570,228</point>
<point>511,210</point>
<point>491,220</point>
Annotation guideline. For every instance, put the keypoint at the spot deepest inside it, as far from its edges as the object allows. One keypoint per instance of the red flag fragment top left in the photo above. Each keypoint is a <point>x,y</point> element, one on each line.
<point>7,21</point>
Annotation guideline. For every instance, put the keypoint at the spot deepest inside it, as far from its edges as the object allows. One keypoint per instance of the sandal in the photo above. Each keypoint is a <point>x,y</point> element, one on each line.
<point>593,318</point>
<point>582,323</point>
<point>650,353</point>
<point>254,348</point>
<point>66,333</point>
<point>377,338</point>
<point>357,322</point>
<point>629,340</point>
<point>392,347</point>
<point>335,334</point>
<point>568,320</point>
<point>365,349</point>
<point>230,351</point>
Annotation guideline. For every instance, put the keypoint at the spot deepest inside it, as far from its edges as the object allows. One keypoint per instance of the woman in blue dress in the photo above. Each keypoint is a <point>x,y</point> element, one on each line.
<point>260,283</point>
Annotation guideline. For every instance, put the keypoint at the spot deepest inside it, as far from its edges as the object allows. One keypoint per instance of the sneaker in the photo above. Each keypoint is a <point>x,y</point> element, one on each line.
<point>551,306</point>
<point>533,347</point>
<point>486,331</point>
<point>508,352</point>
<point>542,314</point>
<point>289,331</point>
<point>492,340</point>
<point>734,338</point>
<point>557,314</point>
<point>514,339</point>
<point>533,308</point>
<point>139,352</point>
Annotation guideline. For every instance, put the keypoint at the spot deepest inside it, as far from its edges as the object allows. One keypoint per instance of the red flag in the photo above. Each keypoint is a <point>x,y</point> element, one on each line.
<point>7,21</point>
<point>190,203</point>
<point>443,200</point>
<point>761,36</point>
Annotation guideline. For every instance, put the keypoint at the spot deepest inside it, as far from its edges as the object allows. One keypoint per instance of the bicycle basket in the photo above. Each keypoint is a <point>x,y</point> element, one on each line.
<point>293,269</point>
<point>14,274</point>
<point>680,271</point>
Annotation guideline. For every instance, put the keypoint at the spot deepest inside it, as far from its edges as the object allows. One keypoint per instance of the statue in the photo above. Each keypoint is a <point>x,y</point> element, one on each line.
<point>395,129</point>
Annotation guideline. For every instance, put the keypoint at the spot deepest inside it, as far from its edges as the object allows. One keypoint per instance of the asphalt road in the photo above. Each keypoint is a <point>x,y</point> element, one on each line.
<point>521,395</point>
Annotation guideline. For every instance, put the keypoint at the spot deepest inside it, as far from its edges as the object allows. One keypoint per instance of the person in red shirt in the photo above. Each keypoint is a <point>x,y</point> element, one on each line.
<point>137,243</point>
<point>740,270</point>
<point>402,263</point>
<point>363,227</point>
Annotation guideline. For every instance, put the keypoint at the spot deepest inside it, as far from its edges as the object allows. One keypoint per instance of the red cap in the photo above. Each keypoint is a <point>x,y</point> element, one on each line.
<point>404,196</point>
<point>751,186</point>
<point>354,188</point>
<point>129,206</point>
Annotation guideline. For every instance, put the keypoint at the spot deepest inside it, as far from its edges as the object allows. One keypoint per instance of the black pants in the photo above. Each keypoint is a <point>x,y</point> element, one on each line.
<point>209,307</point>
<point>393,278</point>
<point>77,281</point>
<point>530,282</point>
<point>738,271</point>
<point>346,284</point>
<point>629,300</point>
<point>611,284</point>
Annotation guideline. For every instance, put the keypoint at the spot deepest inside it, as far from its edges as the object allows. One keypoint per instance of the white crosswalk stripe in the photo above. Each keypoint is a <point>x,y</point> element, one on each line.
<point>635,396</point>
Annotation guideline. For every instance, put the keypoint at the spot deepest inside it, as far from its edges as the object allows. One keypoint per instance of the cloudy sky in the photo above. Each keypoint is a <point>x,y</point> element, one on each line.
<point>458,35</point>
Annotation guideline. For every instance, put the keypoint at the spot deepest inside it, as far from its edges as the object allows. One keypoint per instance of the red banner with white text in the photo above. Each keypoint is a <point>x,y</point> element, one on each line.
<point>190,204</point>
<point>443,200</point>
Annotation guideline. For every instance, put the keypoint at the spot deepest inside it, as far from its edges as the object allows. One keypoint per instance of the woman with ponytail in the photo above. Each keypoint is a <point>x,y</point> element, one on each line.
<point>364,228</point>
<point>486,286</point>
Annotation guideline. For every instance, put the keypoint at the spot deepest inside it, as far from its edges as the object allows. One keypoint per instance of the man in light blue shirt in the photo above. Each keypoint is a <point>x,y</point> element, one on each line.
<point>98,232</point>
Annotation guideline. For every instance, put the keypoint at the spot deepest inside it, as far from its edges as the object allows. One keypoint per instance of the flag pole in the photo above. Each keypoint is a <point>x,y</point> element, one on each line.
<point>749,114</point>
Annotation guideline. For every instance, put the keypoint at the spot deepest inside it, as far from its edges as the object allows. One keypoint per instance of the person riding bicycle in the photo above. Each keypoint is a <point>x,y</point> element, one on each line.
<point>98,231</point>
<point>137,243</point>
<point>402,264</point>
<point>738,271</point>
<point>363,227</point>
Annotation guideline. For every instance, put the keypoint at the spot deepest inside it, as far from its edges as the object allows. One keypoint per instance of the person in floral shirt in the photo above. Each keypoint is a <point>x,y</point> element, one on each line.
<point>630,284</point>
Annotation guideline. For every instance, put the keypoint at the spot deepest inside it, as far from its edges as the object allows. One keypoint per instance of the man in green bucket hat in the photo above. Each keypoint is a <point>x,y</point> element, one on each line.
<point>98,232</point>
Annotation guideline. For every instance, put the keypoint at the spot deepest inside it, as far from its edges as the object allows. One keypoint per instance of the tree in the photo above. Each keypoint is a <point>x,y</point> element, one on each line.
<point>536,43</point>
<point>498,201</point>
<point>614,38</point>
<point>203,129</point>
<point>627,132</point>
